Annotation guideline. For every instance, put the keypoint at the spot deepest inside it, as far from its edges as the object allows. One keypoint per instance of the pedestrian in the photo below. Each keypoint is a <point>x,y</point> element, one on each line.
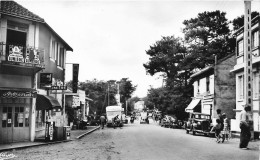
<point>244,125</point>
<point>116,121</point>
<point>226,128</point>
<point>220,117</point>
<point>217,129</point>
<point>102,121</point>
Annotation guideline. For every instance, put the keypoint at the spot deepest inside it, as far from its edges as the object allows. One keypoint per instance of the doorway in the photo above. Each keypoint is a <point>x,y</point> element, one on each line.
<point>14,123</point>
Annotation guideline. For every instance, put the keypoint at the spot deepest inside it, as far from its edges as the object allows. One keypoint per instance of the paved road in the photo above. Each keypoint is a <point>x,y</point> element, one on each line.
<point>141,142</point>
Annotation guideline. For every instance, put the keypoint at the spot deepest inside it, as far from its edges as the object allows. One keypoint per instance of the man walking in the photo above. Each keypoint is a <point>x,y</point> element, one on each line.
<point>102,121</point>
<point>245,134</point>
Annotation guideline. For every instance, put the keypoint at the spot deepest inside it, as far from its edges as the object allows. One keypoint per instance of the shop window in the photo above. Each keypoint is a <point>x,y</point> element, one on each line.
<point>7,117</point>
<point>19,117</point>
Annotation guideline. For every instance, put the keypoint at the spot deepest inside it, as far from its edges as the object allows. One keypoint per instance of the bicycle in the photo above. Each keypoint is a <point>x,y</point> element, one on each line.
<point>227,135</point>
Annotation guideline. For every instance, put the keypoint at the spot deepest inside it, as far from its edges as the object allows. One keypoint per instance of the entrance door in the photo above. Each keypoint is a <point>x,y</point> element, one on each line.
<point>7,121</point>
<point>15,123</point>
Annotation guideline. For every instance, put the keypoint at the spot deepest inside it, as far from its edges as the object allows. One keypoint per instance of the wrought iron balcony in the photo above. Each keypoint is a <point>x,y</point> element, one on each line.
<point>15,56</point>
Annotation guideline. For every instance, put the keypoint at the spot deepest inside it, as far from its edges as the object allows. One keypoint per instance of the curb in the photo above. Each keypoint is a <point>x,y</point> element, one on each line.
<point>34,145</point>
<point>92,130</point>
<point>48,143</point>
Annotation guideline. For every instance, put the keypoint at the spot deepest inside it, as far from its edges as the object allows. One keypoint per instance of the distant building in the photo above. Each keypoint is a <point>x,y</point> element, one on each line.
<point>214,88</point>
<point>139,105</point>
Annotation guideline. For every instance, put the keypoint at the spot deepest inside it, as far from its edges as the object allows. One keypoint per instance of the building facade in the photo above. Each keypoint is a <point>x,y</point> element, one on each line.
<point>239,72</point>
<point>214,88</point>
<point>28,48</point>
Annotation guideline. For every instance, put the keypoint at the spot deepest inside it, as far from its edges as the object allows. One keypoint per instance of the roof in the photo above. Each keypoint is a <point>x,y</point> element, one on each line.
<point>12,8</point>
<point>210,68</point>
<point>202,71</point>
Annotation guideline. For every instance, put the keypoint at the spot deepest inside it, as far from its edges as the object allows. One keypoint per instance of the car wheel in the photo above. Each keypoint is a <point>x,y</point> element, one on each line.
<point>193,132</point>
<point>187,131</point>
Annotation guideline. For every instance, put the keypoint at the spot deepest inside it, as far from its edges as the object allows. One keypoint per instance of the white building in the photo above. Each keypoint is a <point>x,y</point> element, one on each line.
<point>239,71</point>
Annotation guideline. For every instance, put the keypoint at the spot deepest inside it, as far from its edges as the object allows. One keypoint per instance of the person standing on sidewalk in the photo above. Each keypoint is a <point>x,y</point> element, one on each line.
<point>244,125</point>
<point>102,121</point>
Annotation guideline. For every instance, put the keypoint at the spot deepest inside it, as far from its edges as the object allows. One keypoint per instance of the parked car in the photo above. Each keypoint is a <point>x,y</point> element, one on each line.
<point>198,123</point>
<point>125,118</point>
<point>168,121</point>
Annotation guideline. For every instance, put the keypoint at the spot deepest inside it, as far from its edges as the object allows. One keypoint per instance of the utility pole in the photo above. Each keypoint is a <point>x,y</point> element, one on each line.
<point>248,76</point>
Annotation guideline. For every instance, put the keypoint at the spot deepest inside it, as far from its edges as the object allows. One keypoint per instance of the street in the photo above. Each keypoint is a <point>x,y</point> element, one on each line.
<point>141,142</point>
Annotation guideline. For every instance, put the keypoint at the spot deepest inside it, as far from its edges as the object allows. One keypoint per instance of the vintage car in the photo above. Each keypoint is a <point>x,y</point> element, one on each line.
<point>199,123</point>
<point>168,121</point>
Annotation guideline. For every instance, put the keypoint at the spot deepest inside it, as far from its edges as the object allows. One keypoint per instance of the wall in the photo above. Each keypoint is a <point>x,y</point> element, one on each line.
<point>225,87</point>
<point>15,81</point>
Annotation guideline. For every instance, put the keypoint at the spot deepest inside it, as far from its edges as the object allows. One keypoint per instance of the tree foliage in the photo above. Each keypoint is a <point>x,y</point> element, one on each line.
<point>239,21</point>
<point>208,35</point>
<point>126,90</point>
<point>164,55</point>
<point>104,93</point>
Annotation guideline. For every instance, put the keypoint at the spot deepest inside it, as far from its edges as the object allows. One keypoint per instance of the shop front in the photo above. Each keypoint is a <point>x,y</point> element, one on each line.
<point>15,115</point>
<point>48,109</point>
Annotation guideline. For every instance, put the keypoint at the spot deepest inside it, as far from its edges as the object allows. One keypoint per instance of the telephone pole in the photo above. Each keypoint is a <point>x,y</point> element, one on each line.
<point>248,76</point>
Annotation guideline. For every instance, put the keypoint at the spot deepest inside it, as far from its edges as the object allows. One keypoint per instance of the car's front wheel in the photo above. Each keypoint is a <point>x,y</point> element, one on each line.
<point>193,132</point>
<point>187,131</point>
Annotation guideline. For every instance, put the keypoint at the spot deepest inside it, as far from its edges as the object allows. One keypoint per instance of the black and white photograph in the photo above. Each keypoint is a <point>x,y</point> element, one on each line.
<point>129,80</point>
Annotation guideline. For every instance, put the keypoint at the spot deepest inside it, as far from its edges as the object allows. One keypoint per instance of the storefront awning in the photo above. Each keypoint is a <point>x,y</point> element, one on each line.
<point>192,105</point>
<point>44,102</point>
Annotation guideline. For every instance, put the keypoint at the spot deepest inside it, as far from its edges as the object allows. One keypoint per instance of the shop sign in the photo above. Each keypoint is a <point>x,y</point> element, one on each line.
<point>16,55</point>
<point>50,83</point>
<point>45,80</point>
<point>31,57</point>
<point>75,101</point>
<point>17,94</point>
<point>58,88</point>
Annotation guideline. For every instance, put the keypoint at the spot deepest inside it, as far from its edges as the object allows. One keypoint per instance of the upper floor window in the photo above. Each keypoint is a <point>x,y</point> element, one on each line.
<point>240,48</point>
<point>240,87</point>
<point>198,91</point>
<point>255,39</point>
<point>53,50</point>
<point>207,84</point>
<point>255,85</point>
<point>62,54</point>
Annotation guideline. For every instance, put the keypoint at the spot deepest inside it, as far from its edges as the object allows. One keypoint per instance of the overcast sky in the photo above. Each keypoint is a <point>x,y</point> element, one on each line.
<point>110,37</point>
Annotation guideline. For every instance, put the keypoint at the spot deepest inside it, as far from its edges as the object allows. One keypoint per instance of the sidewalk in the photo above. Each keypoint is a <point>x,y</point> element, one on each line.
<point>74,135</point>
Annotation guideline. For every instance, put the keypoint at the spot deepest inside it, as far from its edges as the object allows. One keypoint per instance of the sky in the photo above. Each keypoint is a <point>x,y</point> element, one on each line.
<point>110,37</point>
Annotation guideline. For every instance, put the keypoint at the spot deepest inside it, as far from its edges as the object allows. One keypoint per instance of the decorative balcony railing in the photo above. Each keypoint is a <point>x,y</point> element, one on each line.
<point>19,54</point>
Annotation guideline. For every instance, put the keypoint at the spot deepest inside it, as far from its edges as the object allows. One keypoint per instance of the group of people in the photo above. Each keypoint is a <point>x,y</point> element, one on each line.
<point>222,126</point>
<point>103,121</point>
